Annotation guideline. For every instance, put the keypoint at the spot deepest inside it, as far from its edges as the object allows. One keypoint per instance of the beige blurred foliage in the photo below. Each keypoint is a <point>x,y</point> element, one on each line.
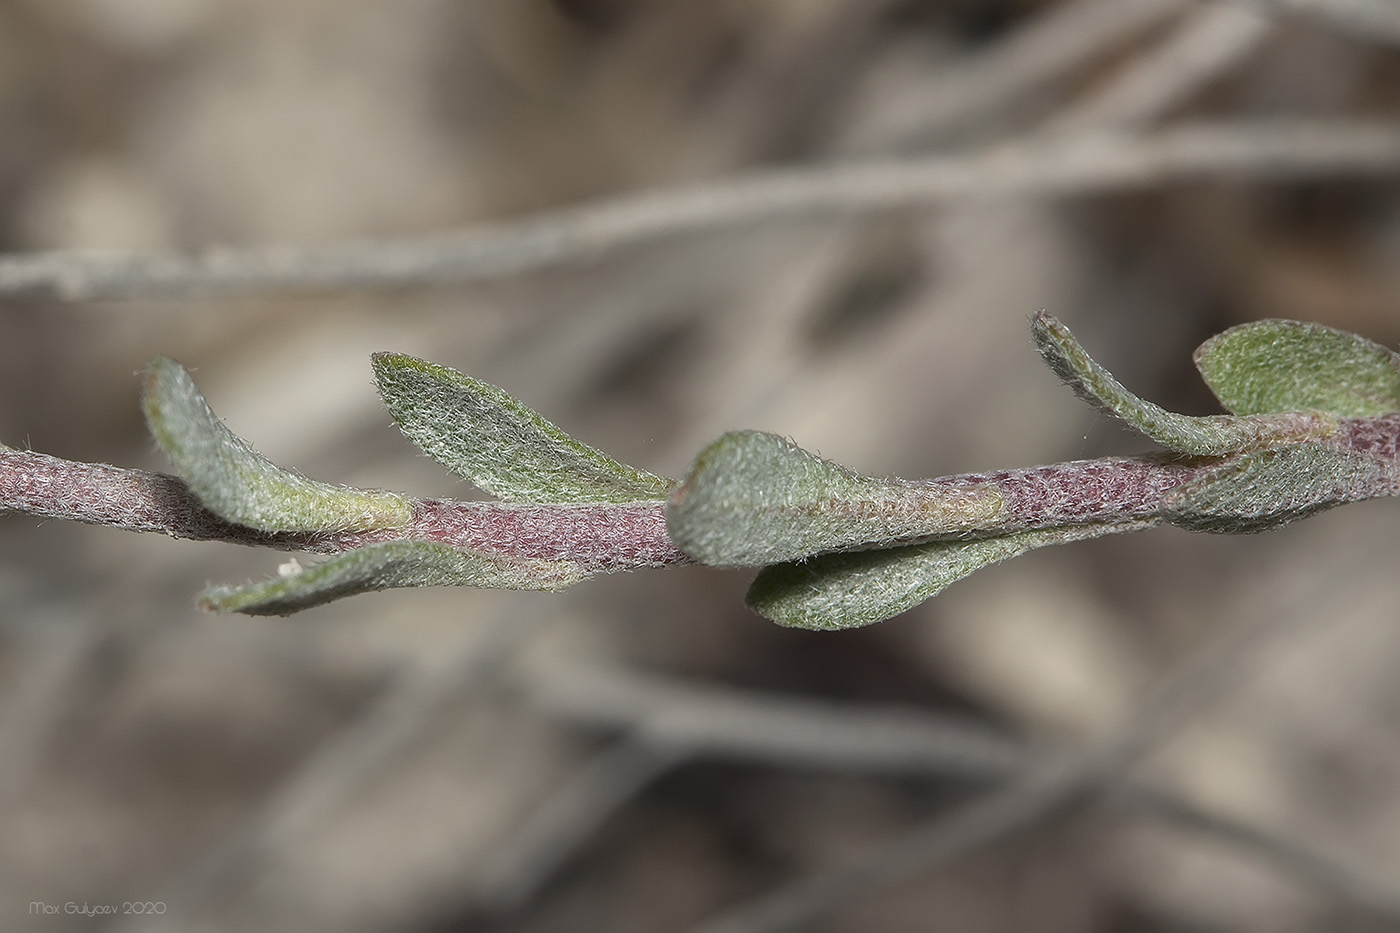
<point>366,765</point>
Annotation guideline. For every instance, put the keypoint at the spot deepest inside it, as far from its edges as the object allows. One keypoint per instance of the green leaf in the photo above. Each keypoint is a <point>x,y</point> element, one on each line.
<point>239,484</point>
<point>1270,488</point>
<point>1205,436</point>
<point>384,566</point>
<point>848,590</point>
<point>482,433</point>
<point>1277,366</point>
<point>754,498</point>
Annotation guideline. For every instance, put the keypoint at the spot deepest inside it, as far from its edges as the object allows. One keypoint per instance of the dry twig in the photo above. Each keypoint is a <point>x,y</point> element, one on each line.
<point>1041,169</point>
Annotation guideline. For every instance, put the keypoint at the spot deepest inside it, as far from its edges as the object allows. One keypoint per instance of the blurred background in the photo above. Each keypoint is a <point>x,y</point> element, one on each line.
<point>641,753</point>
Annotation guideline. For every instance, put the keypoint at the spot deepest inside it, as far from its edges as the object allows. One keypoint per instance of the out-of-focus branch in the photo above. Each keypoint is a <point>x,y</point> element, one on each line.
<point>563,823</point>
<point>1078,165</point>
<point>667,722</point>
<point>1055,41</point>
<point>1207,43</point>
<point>1302,860</point>
<point>1030,798</point>
<point>747,724</point>
<point>1045,789</point>
<point>1375,21</point>
<point>327,780</point>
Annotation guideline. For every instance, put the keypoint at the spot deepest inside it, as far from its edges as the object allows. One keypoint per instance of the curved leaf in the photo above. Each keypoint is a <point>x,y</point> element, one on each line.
<point>1277,366</point>
<point>1203,436</point>
<point>239,484</point>
<point>385,566</point>
<point>484,434</point>
<point>848,590</point>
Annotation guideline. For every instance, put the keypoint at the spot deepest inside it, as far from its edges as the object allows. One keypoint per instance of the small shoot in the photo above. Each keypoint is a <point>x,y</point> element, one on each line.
<point>836,549</point>
<point>1196,435</point>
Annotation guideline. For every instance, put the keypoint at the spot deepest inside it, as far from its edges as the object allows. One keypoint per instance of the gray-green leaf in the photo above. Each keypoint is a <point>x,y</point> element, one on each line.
<point>239,484</point>
<point>384,566</point>
<point>1205,436</point>
<point>1270,488</point>
<point>754,498</point>
<point>848,590</point>
<point>484,434</point>
<point>1277,366</point>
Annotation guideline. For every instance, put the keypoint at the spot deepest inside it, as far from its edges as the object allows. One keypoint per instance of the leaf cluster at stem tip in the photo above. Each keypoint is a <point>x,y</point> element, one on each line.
<point>835,549</point>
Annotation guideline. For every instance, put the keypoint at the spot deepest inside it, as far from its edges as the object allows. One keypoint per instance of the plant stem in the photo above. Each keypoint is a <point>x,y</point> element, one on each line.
<point>618,536</point>
<point>599,537</point>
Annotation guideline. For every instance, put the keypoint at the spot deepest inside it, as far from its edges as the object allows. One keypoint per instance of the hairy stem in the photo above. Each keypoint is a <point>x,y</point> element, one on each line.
<point>618,536</point>
<point>133,500</point>
<point>598,537</point>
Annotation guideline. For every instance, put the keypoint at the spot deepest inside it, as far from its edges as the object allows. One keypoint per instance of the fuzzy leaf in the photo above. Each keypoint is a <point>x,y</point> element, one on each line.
<point>1270,488</point>
<point>239,484</point>
<point>1205,436</point>
<point>384,566</point>
<point>1277,366</point>
<point>482,433</point>
<point>848,590</point>
<point>754,498</point>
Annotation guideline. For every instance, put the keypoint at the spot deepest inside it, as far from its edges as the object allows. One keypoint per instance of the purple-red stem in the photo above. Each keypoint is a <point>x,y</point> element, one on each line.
<point>601,537</point>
